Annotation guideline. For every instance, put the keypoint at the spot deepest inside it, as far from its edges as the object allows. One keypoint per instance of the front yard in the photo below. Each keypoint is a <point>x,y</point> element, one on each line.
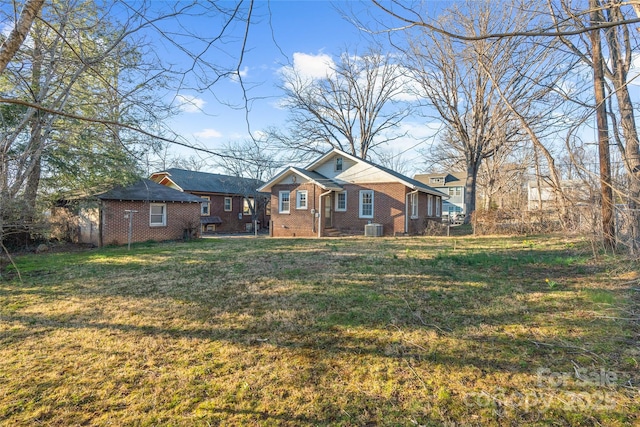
<point>356,331</point>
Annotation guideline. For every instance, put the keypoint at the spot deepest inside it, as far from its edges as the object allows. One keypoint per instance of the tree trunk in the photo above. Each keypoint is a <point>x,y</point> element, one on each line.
<point>470,191</point>
<point>608,225</point>
<point>620,66</point>
<point>19,33</point>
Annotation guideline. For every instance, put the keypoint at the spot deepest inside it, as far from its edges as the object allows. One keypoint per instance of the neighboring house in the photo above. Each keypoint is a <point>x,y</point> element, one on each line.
<point>159,213</point>
<point>450,183</point>
<point>231,203</point>
<point>341,193</point>
<point>543,197</point>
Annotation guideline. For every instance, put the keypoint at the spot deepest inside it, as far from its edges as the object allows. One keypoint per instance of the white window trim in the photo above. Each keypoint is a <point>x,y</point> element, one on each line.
<point>230,199</point>
<point>335,165</point>
<point>338,209</point>
<point>207,204</point>
<point>438,206</point>
<point>430,205</point>
<point>361,205</point>
<point>414,205</point>
<point>164,215</point>
<point>299,194</point>
<point>280,210</point>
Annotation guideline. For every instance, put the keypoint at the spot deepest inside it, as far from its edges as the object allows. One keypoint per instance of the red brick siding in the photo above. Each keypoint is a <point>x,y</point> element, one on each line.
<point>298,222</point>
<point>231,222</point>
<point>115,227</point>
<point>388,209</point>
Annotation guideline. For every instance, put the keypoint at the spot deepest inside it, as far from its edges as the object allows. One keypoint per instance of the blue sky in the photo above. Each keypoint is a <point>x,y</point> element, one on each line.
<point>308,33</point>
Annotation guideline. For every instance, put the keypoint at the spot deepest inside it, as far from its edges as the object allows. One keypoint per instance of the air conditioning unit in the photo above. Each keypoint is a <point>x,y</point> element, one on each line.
<point>373,230</point>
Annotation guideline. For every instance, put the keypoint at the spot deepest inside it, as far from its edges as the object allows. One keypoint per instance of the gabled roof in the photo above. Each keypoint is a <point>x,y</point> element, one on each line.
<point>320,180</point>
<point>409,182</point>
<point>148,191</point>
<point>204,182</point>
<point>451,179</point>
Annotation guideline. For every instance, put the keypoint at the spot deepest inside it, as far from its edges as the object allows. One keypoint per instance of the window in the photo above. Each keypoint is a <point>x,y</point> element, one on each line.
<point>284,202</point>
<point>204,207</point>
<point>414,205</point>
<point>436,180</point>
<point>158,215</point>
<point>458,191</point>
<point>452,191</point>
<point>430,205</point>
<point>246,206</point>
<point>438,206</point>
<point>341,201</point>
<point>228,204</point>
<point>338,163</point>
<point>301,199</point>
<point>366,203</point>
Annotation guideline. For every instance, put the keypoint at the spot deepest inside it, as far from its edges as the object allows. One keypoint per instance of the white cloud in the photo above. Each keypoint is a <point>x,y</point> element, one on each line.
<point>208,133</point>
<point>190,104</point>
<point>313,66</point>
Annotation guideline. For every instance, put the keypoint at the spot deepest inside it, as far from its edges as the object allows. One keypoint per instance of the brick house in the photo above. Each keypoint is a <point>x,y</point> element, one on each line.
<point>340,194</point>
<point>160,213</point>
<point>232,204</point>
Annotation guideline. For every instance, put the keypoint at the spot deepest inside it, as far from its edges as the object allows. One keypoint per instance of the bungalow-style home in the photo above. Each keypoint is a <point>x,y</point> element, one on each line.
<point>450,183</point>
<point>231,204</point>
<point>150,210</point>
<point>342,194</point>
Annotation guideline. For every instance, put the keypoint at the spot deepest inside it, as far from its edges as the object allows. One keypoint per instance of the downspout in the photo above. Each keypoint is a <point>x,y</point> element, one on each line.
<point>326,193</point>
<point>406,211</point>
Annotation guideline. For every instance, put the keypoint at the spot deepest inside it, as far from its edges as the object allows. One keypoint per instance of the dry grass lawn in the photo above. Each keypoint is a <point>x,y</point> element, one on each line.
<point>340,332</point>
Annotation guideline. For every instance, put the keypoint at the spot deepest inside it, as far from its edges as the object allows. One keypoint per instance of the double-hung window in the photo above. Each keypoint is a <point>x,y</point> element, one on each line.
<point>158,215</point>
<point>438,206</point>
<point>366,204</point>
<point>228,204</point>
<point>414,205</point>
<point>204,207</point>
<point>301,199</point>
<point>430,205</point>
<point>341,201</point>
<point>284,204</point>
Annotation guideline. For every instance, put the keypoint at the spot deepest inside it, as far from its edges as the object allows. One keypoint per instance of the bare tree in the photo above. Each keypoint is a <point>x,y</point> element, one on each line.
<point>618,45</point>
<point>356,107</point>
<point>255,161</point>
<point>454,79</point>
<point>572,22</point>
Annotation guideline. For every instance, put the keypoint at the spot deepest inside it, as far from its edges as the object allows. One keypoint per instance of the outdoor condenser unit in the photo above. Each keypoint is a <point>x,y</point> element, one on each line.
<point>373,230</point>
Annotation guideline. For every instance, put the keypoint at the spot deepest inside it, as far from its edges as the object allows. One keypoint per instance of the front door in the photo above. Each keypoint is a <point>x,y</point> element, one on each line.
<point>328,217</point>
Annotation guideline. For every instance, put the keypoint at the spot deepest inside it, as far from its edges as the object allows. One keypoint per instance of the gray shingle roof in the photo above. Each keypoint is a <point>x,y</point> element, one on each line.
<point>319,178</point>
<point>148,191</point>
<point>211,182</point>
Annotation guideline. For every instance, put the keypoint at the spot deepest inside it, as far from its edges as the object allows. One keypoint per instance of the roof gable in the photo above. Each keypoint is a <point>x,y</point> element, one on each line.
<point>290,176</point>
<point>442,179</point>
<point>324,172</point>
<point>363,171</point>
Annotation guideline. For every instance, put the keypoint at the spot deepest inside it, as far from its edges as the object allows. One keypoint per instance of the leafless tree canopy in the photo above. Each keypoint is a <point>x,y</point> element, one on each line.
<point>356,107</point>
